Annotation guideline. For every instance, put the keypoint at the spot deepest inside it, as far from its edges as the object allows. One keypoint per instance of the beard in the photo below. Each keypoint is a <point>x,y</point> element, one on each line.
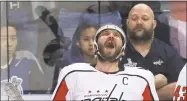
<point>106,56</point>
<point>140,37</point>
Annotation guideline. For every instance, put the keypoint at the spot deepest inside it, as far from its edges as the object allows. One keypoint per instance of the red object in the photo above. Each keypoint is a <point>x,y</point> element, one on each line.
<point>178,10</point>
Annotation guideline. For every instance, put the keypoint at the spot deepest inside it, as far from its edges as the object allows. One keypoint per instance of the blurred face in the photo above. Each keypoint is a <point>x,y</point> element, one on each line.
<point>110,44</point>
<point>86,41</point>
<point>178,5</point>
<point>12,43</point>
<point>178,10</point>
<point>141,23</point>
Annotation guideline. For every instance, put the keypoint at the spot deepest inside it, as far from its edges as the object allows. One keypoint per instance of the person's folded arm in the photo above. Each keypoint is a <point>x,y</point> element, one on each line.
<point>167,91</point>
<point>173,67</point>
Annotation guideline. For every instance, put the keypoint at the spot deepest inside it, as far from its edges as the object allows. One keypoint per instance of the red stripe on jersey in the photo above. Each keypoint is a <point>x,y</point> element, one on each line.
<point>146,94</point>
<point>61,92</point>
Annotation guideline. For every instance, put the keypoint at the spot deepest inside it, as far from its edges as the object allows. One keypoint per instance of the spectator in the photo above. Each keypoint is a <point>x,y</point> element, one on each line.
<point>82,49</point>
<point>124,7</point>
<point>20,16</point>
<point>143,50</point>
<point>177,21</point>
<point>18,63</point>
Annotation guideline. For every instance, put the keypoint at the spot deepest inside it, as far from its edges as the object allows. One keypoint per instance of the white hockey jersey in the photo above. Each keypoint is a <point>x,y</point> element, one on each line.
<point>181,87</point>
<point>81,81</point>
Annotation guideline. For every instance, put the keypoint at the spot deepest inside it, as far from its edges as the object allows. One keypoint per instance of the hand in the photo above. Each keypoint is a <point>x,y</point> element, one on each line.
<point>160,81</point>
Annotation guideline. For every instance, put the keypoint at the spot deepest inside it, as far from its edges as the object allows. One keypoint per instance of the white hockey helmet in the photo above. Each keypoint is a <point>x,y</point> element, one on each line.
<point>112,27</point>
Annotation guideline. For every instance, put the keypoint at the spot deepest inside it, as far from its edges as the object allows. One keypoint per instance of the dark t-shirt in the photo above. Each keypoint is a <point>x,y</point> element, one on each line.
<point>161,59</point>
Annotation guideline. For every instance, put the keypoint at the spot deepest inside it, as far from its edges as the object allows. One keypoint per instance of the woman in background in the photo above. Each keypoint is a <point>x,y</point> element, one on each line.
<point>82,49</point>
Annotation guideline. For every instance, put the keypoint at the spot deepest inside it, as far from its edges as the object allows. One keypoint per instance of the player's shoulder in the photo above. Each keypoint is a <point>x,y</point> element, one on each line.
<point>183,72</point>
<point>184,69</point>
<point>139,71</point>
<point>77,67</point>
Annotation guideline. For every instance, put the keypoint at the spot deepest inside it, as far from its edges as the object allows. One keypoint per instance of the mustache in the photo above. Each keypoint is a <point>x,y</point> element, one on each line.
<point>110,42</point>
<point>139,27</point>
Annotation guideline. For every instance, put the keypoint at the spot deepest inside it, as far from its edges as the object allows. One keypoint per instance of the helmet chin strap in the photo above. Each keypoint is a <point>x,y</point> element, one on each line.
<point>109,27</point>
<point>116,58</point>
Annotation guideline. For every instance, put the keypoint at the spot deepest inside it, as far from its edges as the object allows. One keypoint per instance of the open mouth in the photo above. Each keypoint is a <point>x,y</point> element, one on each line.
<point>110,45</point>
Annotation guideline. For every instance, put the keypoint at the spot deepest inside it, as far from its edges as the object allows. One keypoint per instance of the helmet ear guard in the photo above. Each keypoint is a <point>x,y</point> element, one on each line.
<point>113,27</point>
<point>96,46</point>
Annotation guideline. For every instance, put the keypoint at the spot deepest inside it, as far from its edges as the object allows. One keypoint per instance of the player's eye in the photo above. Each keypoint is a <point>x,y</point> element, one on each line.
<point>105,33</point>
<point>116,34</point>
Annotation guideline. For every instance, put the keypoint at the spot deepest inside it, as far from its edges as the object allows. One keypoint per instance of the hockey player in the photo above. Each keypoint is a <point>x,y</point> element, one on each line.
<point>181,87</point>
<point>106,80</point>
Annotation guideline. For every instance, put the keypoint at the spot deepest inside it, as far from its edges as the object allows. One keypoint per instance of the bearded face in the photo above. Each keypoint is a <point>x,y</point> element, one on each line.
<point>140,34</point>
<point>141,24</point>
<point>109,44</point>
